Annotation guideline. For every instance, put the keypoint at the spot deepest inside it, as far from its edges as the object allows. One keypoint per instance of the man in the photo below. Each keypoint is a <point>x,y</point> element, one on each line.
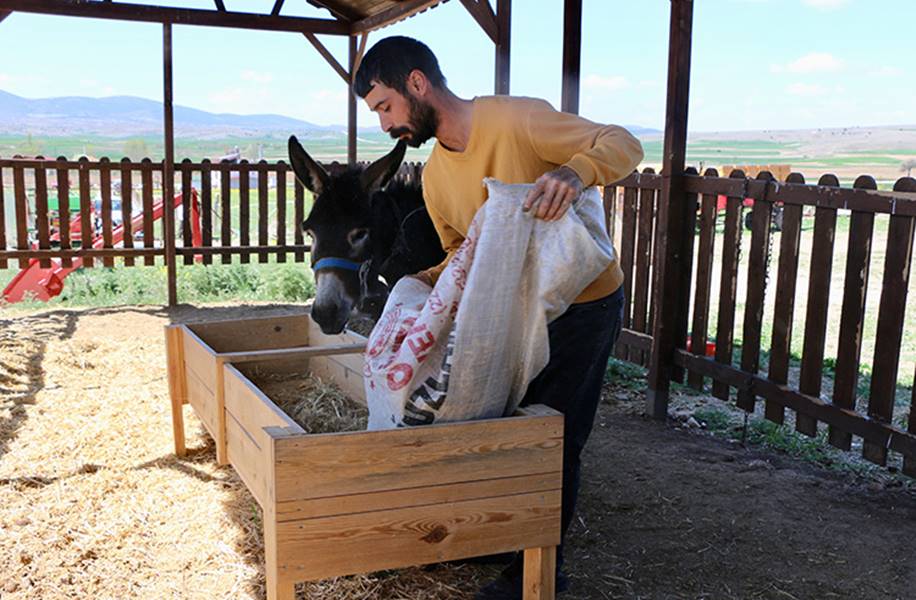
<point>515,140</point>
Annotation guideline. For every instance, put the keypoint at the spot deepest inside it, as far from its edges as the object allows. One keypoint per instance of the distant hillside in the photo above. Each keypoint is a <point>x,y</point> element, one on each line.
<point>128,116</point>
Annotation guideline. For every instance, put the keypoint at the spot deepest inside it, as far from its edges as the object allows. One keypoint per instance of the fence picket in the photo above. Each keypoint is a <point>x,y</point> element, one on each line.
<point>146,191</point>
<point>758,267</point>
<point>63,208</point>
<point>627,259</point>
<point>41,214</point>
<point>640,319</point>
<point>728,288</point>
<point>281,209</point>
<point>783,314</point>
<point>244,210</point>
<point>812,365</point>
<point>105,193</point>
<point>263,209</point>
<point>206,208</point>
<point>699,330</point>
<point>127,195</point>
<point>897,261</point>
<point>3,262</point>
<point>852,317</point>
<point>225,219</point>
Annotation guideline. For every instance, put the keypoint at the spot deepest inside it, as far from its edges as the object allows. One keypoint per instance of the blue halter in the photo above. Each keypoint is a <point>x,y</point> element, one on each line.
<point>336,263</point>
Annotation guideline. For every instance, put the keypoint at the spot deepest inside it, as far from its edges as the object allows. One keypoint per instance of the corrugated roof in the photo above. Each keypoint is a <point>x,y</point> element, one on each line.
<point>374,14</point>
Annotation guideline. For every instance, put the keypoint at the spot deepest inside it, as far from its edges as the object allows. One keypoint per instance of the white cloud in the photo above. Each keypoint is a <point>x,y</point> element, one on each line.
<point>887,71</point>
<point>806,90</point>
<point>238,101</point>
<point>606,84</point>
<point>323,95</point>
<point>257,77</point>
<point>814,62</point>
<point>826,4</point>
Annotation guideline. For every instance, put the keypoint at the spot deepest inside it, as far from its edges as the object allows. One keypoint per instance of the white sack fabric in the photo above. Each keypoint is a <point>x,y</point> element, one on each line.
<point>468,348</point>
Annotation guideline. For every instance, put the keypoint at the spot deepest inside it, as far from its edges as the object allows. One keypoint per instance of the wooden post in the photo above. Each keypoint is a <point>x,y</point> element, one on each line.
<point>351,106</point>
<point>168,166</point>
<point>177,386</point>
<point>504,30</point>
<point>671,214</point>
<point>539,573</point>
<point>572,55</point>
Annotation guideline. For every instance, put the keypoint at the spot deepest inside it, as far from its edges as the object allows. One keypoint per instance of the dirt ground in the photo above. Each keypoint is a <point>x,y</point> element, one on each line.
<point>93,504</point>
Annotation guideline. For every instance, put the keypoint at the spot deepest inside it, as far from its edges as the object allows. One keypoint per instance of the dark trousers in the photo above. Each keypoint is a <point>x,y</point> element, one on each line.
<point>580,344</point>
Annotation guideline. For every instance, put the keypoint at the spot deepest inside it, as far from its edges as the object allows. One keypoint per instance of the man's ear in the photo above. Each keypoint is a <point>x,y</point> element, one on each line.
<point>417,83</point>
<point>308,172</point>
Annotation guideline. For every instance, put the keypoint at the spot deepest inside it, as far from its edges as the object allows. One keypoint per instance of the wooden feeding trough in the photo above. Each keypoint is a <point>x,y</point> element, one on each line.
<point>353,502</point>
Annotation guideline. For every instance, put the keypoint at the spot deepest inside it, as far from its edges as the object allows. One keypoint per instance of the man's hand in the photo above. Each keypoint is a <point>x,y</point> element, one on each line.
<point>553,193</point>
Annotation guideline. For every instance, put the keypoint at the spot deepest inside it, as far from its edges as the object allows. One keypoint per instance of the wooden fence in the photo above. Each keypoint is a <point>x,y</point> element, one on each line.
<point>256,222</point>
<point>246,209</point>
<point>879,418</point>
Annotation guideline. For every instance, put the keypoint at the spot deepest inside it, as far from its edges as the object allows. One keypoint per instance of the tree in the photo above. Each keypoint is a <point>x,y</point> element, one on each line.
<point>136,149</point>
<point>907,166</point>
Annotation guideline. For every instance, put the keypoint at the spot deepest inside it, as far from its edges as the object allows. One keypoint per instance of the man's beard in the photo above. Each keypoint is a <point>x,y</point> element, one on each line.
<point>422,123</point>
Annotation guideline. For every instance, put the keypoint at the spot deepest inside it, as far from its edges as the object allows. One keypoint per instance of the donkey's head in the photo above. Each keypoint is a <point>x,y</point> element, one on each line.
<point>339,229</point>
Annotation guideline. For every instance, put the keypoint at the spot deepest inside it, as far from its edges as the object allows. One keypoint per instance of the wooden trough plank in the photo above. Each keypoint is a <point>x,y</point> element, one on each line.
<point>319,466</point>
<point>260,333</point>
<point>890,328</point>
<point>203,399</point>
<point>298,352</point>
<point>199,359</point>
<point>41,214</point>
<point>699,331</point>
<point>852,317</point>
<point>423,496</point>
<point>252,407</point>
<point>812,365</point>
<point>250,461</point>
<point>783,315</point>
<point>731,248</point>
<point>348,544</point>
<point>627,255</point>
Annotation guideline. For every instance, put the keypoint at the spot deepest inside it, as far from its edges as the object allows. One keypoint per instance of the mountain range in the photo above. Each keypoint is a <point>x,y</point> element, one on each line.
<point>121,116</point>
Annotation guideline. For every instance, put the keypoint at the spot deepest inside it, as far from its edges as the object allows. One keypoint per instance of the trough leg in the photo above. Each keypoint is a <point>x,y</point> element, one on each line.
<point>177,386</point>
<point>276,589</point>
<point>540,572</point>
<point>222,445</point>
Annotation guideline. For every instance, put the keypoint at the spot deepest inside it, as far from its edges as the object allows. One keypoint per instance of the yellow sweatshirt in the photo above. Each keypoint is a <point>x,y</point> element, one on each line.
<point>516,140</point>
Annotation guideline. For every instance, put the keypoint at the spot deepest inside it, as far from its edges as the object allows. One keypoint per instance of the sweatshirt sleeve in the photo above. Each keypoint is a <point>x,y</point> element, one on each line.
<point>599,154</point>
<point>451,240</point>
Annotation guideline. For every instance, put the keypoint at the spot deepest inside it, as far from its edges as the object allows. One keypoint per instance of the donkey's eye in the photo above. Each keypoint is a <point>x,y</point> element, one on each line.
<point>358,236</point>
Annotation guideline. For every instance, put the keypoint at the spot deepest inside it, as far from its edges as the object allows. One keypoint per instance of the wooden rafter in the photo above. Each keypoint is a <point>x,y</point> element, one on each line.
<point>394,14</point>
<point>483,14</point>
<point>220,6</point>
<point>4,14</point>
<point>179,16</point>
<point>278,6</point>
<point>323,51</point>
<point>363,39</point>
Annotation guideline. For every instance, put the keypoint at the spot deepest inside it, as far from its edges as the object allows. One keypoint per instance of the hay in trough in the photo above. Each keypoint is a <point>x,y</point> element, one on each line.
<point>317,406</point>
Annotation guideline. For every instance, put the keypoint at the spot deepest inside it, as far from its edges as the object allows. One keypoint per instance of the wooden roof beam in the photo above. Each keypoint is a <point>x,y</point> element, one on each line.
<point>4,14</point>
<point>278,5</point>
<point>483,14</point>
<point>405,9</point>
<point>323,51</point>
<point>220,6</point>
<point>123,11</point>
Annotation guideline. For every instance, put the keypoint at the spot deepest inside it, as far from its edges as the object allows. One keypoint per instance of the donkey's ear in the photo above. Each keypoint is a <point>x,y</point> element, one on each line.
<point>308,172</point>
<point>378,173</point>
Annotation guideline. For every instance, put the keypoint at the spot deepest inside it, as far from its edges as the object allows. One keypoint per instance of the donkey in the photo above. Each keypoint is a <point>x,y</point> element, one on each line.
<point>365,232</point>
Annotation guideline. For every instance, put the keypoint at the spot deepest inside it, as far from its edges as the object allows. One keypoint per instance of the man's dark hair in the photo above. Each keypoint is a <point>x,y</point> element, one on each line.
<point>392,59</point>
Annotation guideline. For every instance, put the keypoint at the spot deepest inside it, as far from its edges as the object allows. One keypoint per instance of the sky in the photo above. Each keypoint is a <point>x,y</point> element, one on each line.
<point>757,64</point>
